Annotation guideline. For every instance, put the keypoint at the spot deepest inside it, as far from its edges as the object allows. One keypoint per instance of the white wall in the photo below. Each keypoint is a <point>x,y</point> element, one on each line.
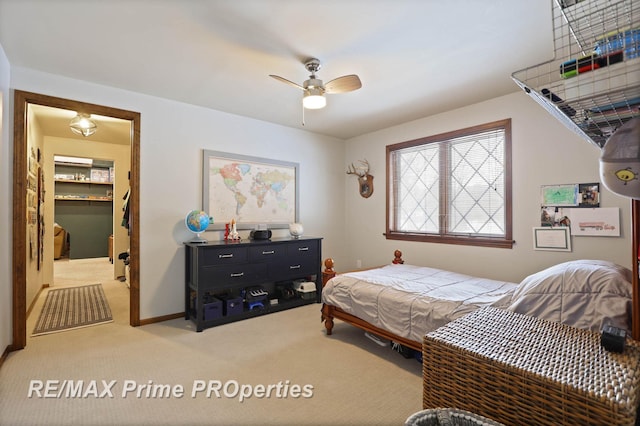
<point>544,153</point>
<point>173,135</point>
<point>6,181</point>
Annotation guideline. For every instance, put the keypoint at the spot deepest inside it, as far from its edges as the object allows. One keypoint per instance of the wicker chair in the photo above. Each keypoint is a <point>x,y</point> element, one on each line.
<point>448,417</point>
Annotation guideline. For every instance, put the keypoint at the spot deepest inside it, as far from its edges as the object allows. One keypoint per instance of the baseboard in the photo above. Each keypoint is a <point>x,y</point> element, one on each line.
<point>4,355</point>
<point>35,299</point>
<point>153,320</point>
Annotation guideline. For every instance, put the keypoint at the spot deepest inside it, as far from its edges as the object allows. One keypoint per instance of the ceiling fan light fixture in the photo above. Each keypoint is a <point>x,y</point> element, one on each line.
<point>314,89</point>
<point>82,124</point>
<point>314,98</point>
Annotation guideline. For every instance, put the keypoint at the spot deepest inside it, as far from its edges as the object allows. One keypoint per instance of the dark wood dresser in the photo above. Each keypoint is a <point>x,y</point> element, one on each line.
<point>220,275</point>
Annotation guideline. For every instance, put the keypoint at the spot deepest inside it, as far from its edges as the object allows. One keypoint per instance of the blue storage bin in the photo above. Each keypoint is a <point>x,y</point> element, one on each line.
<point>212,309</point>
<point>232,305</point>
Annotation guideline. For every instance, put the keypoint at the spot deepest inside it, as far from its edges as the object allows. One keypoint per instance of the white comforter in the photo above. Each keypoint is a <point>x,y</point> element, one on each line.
<point>409,300</point>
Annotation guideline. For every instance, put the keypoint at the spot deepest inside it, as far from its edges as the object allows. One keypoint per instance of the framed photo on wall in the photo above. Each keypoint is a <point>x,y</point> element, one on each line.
<point>553,239</point>
<point>252,190</point>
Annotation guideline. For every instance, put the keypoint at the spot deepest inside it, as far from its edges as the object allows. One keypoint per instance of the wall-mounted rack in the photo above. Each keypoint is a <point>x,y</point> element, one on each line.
<point>593,83</point>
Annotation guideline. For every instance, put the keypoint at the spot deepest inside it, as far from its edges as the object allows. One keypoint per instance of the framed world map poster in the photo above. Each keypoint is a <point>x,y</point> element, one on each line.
<point>253,191</point>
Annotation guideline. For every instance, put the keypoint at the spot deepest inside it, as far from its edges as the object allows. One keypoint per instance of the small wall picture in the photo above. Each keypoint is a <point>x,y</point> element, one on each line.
<point>589,194</point>
<point>559,195</point>
<point>554,216</point>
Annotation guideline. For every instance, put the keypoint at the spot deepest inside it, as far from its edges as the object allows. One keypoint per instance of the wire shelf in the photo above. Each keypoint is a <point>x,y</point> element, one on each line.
<point>593,83</point>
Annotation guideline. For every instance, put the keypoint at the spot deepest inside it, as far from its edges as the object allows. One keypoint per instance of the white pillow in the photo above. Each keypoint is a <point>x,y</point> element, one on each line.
<point>586,294</point>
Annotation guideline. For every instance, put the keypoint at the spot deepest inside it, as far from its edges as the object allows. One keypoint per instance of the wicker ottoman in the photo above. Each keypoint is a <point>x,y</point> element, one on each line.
<point>520,370</point>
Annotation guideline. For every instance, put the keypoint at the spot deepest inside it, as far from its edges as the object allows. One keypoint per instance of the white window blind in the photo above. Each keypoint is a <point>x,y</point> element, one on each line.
<point>453,185</point>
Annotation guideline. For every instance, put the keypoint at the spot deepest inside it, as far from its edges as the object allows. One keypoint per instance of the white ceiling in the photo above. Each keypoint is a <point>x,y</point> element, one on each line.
<point>415,57</point>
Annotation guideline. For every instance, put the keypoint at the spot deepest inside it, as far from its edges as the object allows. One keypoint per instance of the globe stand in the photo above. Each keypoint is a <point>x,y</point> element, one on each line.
<point>198,239</point>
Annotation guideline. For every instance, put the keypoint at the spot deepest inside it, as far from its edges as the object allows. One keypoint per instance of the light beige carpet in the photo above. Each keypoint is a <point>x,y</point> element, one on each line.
<point>344,379</point>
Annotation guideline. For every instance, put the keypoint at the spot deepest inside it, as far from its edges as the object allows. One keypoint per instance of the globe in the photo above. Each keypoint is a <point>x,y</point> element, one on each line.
<point>197,222</point>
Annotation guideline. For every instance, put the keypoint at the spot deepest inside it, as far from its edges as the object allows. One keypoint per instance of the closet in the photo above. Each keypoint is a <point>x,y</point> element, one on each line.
<point>84,205</point>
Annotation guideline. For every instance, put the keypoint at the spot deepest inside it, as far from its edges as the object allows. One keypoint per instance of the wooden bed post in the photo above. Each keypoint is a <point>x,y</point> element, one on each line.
<point>328,272</point>
<point>327,311</point>
<point>327,318</point>
<point>397,260</point>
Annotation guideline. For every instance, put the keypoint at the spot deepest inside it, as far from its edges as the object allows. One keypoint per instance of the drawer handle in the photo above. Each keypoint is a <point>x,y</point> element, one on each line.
<point>225,256</point>
<point>303,248</point>
<point>237,274</point>
<point>268,252</point>
<point>294,267</point>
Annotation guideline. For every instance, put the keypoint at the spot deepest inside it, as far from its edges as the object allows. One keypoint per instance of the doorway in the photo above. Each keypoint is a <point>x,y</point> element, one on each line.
<point>20,250</point>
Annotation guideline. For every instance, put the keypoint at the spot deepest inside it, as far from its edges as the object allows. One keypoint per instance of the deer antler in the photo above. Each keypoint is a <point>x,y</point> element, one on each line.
<point>351,170</point>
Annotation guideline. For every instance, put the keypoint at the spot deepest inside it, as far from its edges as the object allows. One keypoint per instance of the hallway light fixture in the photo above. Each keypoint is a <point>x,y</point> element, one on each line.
<point>82,124</point>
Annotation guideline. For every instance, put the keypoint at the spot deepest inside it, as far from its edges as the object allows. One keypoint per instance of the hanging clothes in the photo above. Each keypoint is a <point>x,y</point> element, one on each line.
<point>125,209</point>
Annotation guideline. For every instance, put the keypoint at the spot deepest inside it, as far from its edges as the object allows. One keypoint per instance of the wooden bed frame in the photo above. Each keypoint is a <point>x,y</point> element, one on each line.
<point>329,313</point>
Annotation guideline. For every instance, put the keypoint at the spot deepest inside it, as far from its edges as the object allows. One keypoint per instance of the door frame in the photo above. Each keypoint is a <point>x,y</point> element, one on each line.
<point>20,169</point>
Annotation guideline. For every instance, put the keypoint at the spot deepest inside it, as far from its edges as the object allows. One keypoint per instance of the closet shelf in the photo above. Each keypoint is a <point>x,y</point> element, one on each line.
<point>81,198</point>
<point>593,83</point>
<point>83,181</point>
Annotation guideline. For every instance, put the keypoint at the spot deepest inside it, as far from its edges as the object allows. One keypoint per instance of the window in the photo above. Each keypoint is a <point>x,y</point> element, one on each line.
<point>452,188</point>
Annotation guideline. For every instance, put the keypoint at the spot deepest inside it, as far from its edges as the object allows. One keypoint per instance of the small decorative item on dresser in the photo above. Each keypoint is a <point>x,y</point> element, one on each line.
<point>197,221</point>
<point>234,235</point>
<point>260,234</point>
<point>296,230</point>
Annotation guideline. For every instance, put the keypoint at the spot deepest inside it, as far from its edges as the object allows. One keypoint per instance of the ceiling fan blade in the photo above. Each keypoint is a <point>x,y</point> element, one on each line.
<point>284,80</point>
<point>343,84</point>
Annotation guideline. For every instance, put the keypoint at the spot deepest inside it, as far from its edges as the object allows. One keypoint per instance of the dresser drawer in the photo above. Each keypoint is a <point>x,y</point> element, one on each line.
<point>302,249</point>
<point>294,268</point>
<point>223,255</point>
<point>268,253</point>
<point>233,274</point>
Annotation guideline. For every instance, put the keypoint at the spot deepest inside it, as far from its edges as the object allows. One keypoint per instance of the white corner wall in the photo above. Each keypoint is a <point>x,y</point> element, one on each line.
<point>6,179</point>
<point>173,136</point>
<point>544,153</point>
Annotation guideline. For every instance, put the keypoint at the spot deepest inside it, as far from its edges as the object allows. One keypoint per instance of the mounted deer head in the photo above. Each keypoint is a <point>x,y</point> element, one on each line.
<point>365,180</point>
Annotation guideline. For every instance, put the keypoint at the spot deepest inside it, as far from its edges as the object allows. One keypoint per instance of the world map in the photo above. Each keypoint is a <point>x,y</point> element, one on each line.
<point>251,192</point>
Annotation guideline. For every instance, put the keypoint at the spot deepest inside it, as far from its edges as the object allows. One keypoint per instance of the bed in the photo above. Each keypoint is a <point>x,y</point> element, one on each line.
<point>402,302</point>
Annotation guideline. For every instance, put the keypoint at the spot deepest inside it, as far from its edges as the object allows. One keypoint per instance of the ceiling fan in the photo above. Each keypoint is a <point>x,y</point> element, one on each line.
<point>313,88</point>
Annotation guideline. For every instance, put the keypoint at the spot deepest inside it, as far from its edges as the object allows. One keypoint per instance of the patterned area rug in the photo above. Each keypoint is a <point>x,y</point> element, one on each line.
<point>73,307</point>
